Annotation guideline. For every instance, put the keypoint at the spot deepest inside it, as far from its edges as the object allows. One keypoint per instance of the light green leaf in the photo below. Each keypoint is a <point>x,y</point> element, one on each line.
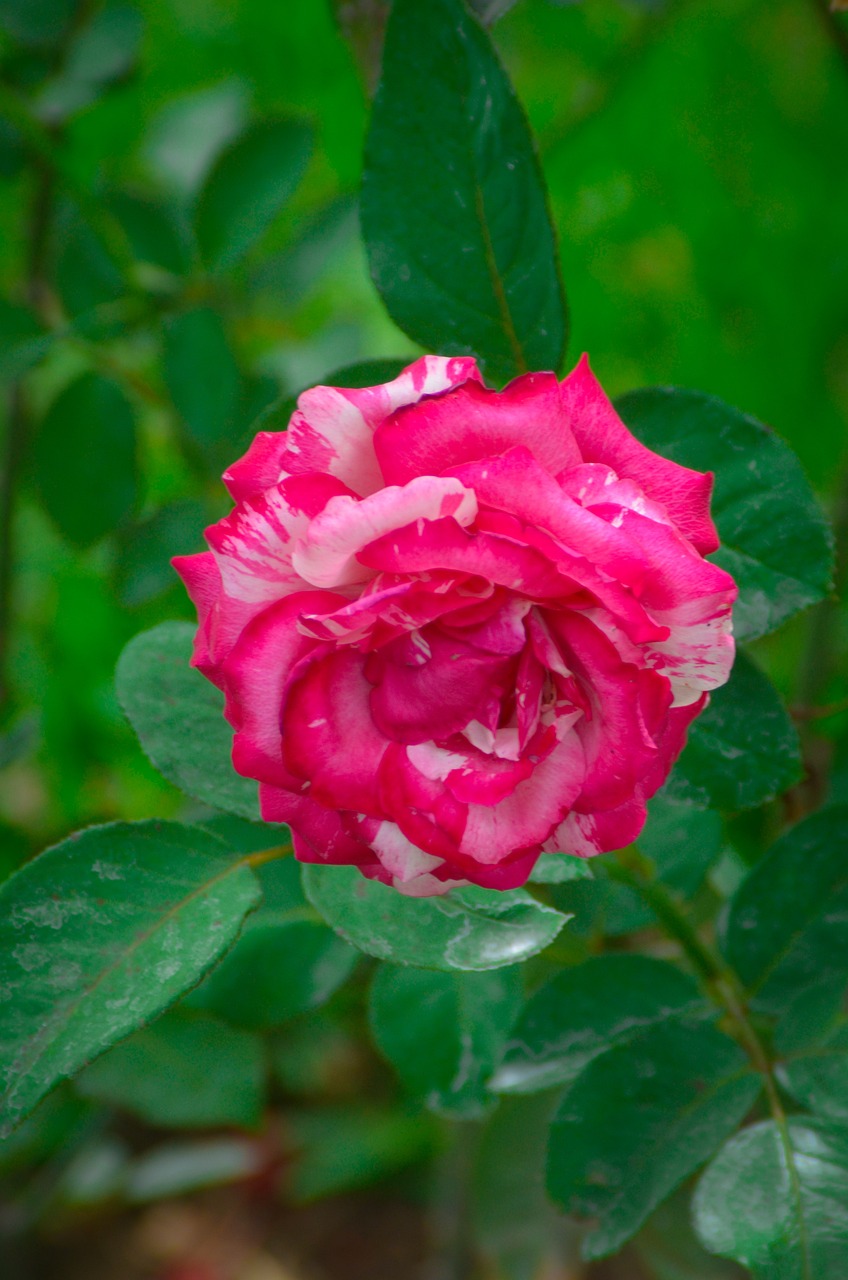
<point>100,934</point>
<point>454,210</point>
<point>443,1032</point>
<point>179,719</point>
<point>468,928</point>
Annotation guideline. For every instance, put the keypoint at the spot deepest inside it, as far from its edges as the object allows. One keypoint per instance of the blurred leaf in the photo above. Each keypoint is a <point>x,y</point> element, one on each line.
<point>179,718</point>
<point>786,924</point>
<point>247,188</point>
<point>465,929</point>
<point>153,231</point>
<point>454,210</point>
<point>443,1032</point>
<point>184,1071</point>
<point>681,841</point>
<point>488,11</point>
<point>741,751</point>
<point>145,549</point>
<point>56,1124</point>
<point>339,1148</point>
<point>177,1168</point>
<point>513,1216</point>
<point>559,868</point>
<point>641,1119</point>
<point>80,926</point>
<point>12,153</point>
<point>776,1200</point>
<point>86,275</point>
<point>601,906</point>
<point>23,339</point>
<point>775,539</point>
<point>818,1077</point>
<point>85,458</point>
<point>202,375</point>
<point>810,1012</point>
<point>101,53</point>
<point>671,1251</point>
<point>36,22</point>
<point>367,373</point>
<point>589,1010</point>
<point>189,133</point>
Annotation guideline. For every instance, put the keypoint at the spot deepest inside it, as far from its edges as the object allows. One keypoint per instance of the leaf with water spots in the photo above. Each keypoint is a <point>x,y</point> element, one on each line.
<point>101,933</point>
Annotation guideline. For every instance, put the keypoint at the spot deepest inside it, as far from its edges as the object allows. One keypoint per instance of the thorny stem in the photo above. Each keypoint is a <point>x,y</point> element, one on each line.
<point>724,988</point>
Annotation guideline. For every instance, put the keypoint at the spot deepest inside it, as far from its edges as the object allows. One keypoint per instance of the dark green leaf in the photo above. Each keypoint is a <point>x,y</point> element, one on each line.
<point>152,231</point>
<point>443,1032</point>
<point>517,1227</point>
<point>775,538</point>
<point>247,188</point>
<point>202,375</point>
<point>818,1077</point>
<point>786,928</point>
<point>777,1200</point>
<point>367,373</point>
<point>466,929</point>
<point>184,1071</point>
<point>641,1119</point>
<point>36,22</point>
<point>179,718</point>
<point>670,1250</point>
<point>681,841</point>
<point>85,458</point>
<point>743,750</point>
<point>143,569</point>
<point>189,132</point>
<point>86,274</point>
<point>99,935</point>
<point>101,53</point>
<point>339,1148</point>
<point>588,1010</point>
<point>56,1125</point>
<point>454,210</point>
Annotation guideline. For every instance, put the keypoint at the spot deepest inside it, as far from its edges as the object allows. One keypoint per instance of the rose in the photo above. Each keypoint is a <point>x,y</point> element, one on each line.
<point>456,627</point>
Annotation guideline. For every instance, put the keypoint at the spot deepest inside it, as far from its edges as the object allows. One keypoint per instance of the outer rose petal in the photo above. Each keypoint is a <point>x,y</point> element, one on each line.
<point>472,423</point>
<point>603,437</point>
<point>332,428</point>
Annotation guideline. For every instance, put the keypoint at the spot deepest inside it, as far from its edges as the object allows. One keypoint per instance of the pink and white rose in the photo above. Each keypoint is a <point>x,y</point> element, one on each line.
<point>458,627</point>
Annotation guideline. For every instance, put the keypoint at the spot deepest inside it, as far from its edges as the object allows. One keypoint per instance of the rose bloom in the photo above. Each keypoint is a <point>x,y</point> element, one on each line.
<point>458,627</point>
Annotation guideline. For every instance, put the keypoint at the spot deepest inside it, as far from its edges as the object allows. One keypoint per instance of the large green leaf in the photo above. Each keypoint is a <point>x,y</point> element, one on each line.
<point>468,928</point>
<point>743,750</point>
<point>184,1071</point>
<point>775,538</point>
<point>786,925</point>
<point>202,375</point>
<point>247,187</point>
<point>776,1199</point>
<point>454,210</point>
<point>85,458</point>
<point>179,718</point>
<point>101,933</point>
<point>443,1032</point>
<point>639,1120</point>
<point>586,1011</point>
<point>818,1076</point>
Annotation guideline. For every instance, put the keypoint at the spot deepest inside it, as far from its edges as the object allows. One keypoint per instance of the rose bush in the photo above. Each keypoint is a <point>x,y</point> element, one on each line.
<point>458,627</point>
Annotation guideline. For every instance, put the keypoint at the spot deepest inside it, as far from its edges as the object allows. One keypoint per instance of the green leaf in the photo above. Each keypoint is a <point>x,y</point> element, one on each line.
<point>36,22</point>
<point>86,274</point>
<point>776,1200</point>
<point>775,538</point>
<point>100,54</point>
<point>516,1225</point>
<point>743,750</point>
<point>85,458</point>
<point>454,210</point>
<point>100,934</point>
<point>670,1250</point>
<point>202,375</point>
<point>818,1077</point>
<point>143,571</point>
<point>154,235</point>
<point>23,339</point>
<point>179,718</point>
<point>466,929</point>
<point>443,1032</point>
<point>560,868</point>
<point>184,1071</point>
<point>367,373</point>
<point>247,188</point>
<point>641,1119</point>
<point>786,924</point>
<point>589,1010</point>
<point>339,1148</point>
<point>681,841</point>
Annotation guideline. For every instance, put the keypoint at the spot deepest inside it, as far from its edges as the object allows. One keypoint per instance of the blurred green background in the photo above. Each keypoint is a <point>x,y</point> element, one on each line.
<point>696,158</point>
